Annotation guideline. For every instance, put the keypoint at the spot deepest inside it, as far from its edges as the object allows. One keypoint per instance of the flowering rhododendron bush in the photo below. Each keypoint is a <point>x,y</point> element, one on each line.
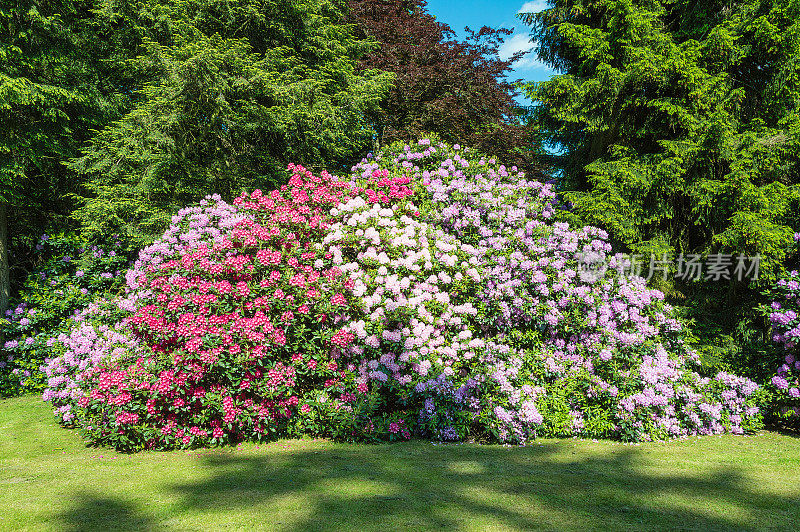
<point>69,275</point>
<point>784,315</point>
<point>237,308</point>
<point>560,349</point>
<point>429,293</point>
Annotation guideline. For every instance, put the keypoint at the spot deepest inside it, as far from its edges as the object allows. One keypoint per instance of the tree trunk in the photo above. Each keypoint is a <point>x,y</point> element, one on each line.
<point>4,281</point>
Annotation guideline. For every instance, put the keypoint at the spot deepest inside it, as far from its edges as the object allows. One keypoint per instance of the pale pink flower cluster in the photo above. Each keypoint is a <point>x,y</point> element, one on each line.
<point>403,271</point>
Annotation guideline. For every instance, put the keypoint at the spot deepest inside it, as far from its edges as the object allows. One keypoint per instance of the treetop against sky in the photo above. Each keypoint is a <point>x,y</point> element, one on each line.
<point>494,13</point>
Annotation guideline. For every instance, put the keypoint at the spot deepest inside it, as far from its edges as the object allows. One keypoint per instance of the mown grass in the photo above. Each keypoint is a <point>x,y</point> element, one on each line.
<point>49,480</point>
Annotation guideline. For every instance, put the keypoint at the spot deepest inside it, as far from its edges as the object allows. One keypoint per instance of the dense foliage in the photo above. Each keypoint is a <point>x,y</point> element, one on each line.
<point>677,129</point>
<point>428,294</point>
<point>55,90</point>
<point>230,92</point>
<point>677,126</point>
<point>69,276</point>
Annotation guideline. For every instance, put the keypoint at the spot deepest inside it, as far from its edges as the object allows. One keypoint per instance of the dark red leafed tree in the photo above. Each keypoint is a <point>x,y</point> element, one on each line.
<point>457,89</point>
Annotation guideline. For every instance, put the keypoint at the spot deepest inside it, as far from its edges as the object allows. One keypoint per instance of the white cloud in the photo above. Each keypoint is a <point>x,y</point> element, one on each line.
<point>520,42</point>
<point>534,6</point>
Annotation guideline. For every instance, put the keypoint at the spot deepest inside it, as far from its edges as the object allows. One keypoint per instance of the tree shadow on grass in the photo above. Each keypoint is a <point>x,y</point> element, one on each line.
<point>784,429</point>
<point>423,486</point>
<point>95,512</point>
<point>446,486</point>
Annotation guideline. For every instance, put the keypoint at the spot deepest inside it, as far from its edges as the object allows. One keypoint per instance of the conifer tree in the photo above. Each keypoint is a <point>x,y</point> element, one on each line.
<point>232,91</point>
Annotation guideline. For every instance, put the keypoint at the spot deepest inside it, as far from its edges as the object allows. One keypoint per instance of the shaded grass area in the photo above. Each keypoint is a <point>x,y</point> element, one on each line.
<point>49,480</point>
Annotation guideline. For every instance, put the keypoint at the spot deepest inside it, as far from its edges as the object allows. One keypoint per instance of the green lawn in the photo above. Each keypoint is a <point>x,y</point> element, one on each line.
<point>49,480</point>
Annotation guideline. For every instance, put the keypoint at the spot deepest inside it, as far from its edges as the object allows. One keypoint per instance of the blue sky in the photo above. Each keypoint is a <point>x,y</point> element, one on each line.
<point>496,13</point>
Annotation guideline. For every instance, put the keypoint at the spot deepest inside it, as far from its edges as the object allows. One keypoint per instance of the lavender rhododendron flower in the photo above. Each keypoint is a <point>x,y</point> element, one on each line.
<point>784,316</point>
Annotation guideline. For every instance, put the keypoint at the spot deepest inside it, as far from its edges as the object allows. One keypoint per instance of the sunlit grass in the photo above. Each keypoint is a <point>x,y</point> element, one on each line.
<point>49,480</point>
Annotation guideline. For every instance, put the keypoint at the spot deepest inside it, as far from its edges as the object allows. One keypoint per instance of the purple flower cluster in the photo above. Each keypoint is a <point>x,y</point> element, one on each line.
<point>69,270</point>
<point>88,344</point>
<point>784,316</point>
